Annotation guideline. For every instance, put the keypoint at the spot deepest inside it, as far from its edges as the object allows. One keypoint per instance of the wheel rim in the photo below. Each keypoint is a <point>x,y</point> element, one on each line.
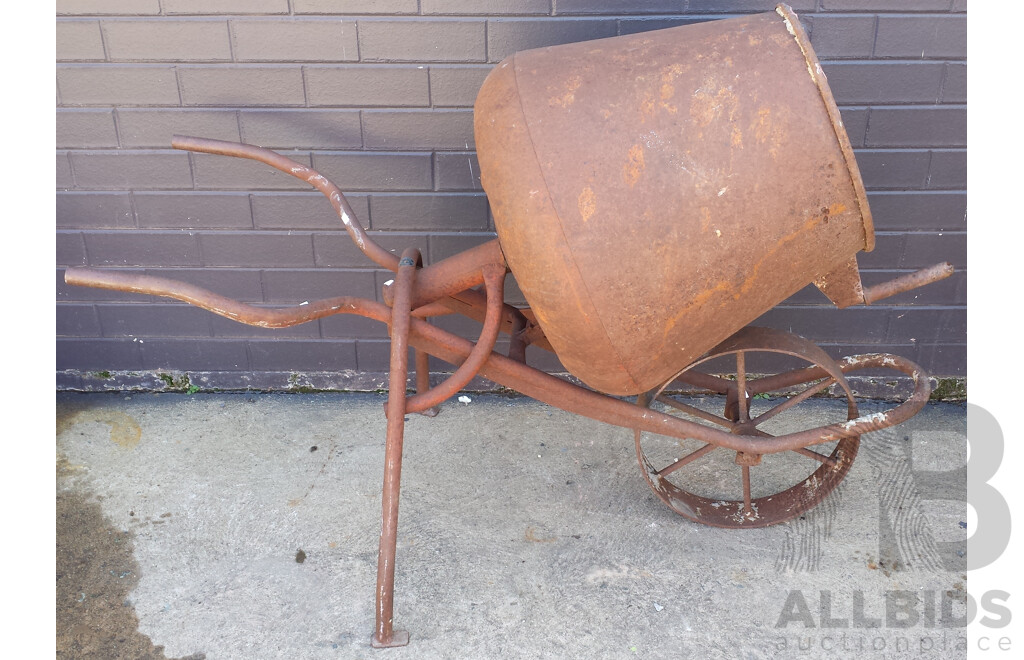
<point>748,508</point>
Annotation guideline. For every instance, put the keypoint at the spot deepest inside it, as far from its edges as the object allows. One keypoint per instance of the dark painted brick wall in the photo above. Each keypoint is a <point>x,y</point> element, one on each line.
<point>378,94</point>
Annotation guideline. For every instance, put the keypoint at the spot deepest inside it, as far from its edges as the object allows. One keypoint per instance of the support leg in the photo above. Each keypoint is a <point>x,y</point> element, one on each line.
<point>384,634</point>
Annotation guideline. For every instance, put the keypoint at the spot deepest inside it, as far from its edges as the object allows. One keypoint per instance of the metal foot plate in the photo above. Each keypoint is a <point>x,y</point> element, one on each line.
<point>398,638</point>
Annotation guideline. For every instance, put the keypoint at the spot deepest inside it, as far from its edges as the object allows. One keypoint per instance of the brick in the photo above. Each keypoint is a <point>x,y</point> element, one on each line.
<point>367,86</point>
<point>117,85</point>
<point>99,354</point>
<point>295,286</point>
<point>228,328</point>
<point>166,40</point>
<point>301,129</point>
<point>458,325</point>
<point>855,122</point>
<point>77,321</point>
<point>303,211</point>
<point>370,171</point>
<point>422,41</point>
<point>362,7</point>
<point>481,7</point>
<point>241,86</point>
<point>954,87</point>
<point>374,356</point>
<point>70,249</point>
<point>948,170</point>
<point>638,25</point>
<point>541,359</point>
<point>505,37</point>
<point>141,248</point>
<point>809,295</point>
<point>917,127</point>
<point>842,36</point>
<point>86,129</point>
<point>456,86</point>
<point>893,168</point>
<point>257,250</point>
<point>884,5</point>
<point>919,210</point>
<point>65,180</point>
<point>350,326</point>
<point>225,6</point>
<point>513,294</point>
<point>153,320</point>
<point>443,212</point>
<point>100,7</point>
<point>411,129</point>
<point>455,171</point>
<point>617,7</point>
<point>735,6</point>
<point>220,173</point>
<point>827,324</point>
<point>942,359</point>
<point>192,210</point>
<point>297,355</point>
<point>443,246</point>
<point>336,249</point>
<point>888,251</point>
<point>294,40</point>
<point>925,36</point>
<point>930,326</point>
<point>95,210</point>
<point>885,82</point>
<point>131,169</point>
<point>79,40</point>
<point>193,355</point>
<point>925,249</point>
<point>155,128</point>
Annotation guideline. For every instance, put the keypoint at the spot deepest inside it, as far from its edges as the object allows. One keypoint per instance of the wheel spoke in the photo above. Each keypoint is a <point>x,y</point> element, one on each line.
<point>746,491</point>
<point>692,456</point>
<point>741,387</point>
<point>794,400</point>
<point>827,460</point>
<point>696,412</point>
<point>812,480</point>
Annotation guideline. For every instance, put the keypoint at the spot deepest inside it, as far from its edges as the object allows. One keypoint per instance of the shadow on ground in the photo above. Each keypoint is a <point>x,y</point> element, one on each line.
<point>95,575</point>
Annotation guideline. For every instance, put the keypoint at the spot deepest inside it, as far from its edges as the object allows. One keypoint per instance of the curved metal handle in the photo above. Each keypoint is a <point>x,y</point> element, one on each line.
<point>227,307</point>
<point>355,230</point>
<point>494,281</point>
<point>907,282</point>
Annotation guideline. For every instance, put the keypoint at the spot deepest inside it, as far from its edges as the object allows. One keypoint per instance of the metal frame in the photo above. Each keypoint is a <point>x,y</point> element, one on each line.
<point>448,287</point>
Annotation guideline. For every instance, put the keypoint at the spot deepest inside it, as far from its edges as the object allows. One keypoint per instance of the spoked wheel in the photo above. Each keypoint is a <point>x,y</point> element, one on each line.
<point>727,488</point>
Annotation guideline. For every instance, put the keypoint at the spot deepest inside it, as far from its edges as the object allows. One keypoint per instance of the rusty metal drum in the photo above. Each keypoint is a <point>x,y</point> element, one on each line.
<point>654,193</point>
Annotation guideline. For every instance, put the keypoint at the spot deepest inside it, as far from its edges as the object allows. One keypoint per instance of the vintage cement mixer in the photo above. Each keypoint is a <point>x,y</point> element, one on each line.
<point>652,194</point>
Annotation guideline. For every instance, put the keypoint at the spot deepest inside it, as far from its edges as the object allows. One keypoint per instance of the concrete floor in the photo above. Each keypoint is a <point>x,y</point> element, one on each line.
<point>525,532</point>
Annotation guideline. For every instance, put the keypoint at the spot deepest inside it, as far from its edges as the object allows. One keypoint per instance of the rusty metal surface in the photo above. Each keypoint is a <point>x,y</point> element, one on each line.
<point>545,387</point>
<point>384,634</point>
<point>908,282</point>
<point>766,509</point>
<point>367,245</point>
<point>494,281</point>
<point>720,184</point>
<point>455,274</point>
<point>654,193</point>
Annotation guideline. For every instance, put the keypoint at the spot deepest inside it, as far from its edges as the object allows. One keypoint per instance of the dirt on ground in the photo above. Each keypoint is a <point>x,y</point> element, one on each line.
<point>96,572</point>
